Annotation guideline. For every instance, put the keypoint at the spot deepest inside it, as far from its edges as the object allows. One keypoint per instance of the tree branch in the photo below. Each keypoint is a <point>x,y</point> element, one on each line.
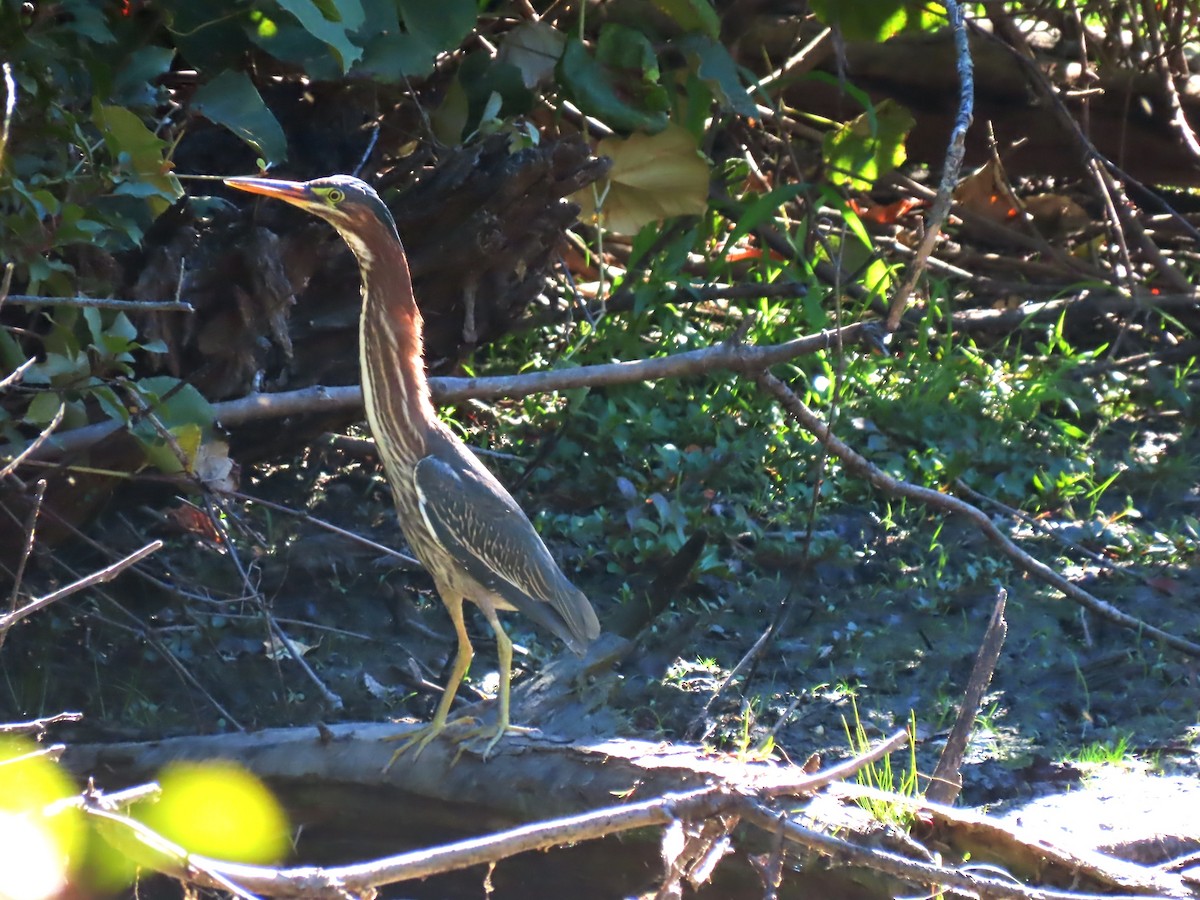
<point>320,399</point>
<point>860,466</point>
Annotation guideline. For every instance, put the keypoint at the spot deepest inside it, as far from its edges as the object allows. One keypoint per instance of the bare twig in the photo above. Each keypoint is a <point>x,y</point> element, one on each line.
<point>39,493</point>
<point>52,752</point>
<point>39,726</point>
<point>799,63</point>
<point>6,283</point>
<point>788,785</point>
<point>147,847</point>
<point>320,399</point>
<point>860,466</point>
<point>946,783</point>
<point>700,725</point>
<point>1167,78</point>
<point>1117,875</point>
<point>953,165</point>
<point>930,874</point>
<point>103,303</point>
<point>1045,89</point>
<point>358,879</point>
<point>18,373</point>
<point>142,631</point>
<point>108,573</point>
<point>331,698</point>
<point>403,558</point>
<point>32,449</point>
<point>1054,534</point>
<point>773,872</point>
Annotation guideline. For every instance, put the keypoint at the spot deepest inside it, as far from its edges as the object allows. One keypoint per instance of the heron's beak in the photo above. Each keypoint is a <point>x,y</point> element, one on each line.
<point>293,192</point>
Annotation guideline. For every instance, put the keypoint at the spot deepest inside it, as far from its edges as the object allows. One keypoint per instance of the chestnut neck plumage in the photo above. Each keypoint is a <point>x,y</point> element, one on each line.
<point>390,347</point>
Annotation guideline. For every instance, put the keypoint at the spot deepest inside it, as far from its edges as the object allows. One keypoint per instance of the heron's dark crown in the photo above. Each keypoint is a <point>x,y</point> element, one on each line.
<point>344,198</point>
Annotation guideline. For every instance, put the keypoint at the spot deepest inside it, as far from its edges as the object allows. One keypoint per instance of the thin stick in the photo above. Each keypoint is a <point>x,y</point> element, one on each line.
<point>954,160</point>
<point>329,526</point>
<point>39,726</point>
<point>911,870</point>
<point>29,451</point>
<point>150,636</point>
<point>947,776</point>
<point>18,373</point>
<point>321,399</point>
<point>790,786</point>
<point>699,722</point>
<point>859,465</point>
<point>108,573</point>
<point>103,303</point>
<point>334,701</point>
<point>142,630</point>
<point>39,493</point>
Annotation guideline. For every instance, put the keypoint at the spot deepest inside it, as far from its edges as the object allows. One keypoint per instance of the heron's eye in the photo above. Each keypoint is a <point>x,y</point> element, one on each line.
<point>336,196</point>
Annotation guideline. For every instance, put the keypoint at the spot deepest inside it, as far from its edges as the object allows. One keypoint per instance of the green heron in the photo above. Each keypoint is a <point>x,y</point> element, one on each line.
<point>459,520</point>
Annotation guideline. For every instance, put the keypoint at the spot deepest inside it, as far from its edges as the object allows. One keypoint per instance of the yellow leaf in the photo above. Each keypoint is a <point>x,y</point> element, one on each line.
<point>653,177</point>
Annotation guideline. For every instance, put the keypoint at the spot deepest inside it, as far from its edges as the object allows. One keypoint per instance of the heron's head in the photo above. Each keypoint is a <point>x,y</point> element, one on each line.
<point>348,204</point>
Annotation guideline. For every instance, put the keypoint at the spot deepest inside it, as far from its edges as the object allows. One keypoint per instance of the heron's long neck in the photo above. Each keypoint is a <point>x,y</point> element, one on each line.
<point>391,353</point>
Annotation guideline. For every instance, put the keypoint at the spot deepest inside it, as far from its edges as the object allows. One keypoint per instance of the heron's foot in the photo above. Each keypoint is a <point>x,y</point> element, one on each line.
<point>421,738</point>
<point>492,734</point>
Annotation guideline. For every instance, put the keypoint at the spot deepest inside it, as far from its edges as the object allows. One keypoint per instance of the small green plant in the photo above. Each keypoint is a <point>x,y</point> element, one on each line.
<point>1104,753</point>
<point>987,720</point>
<point>881,776</point>
<point>744,749</point>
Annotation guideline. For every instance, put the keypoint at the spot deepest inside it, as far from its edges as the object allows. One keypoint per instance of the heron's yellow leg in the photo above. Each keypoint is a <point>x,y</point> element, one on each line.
<point>493,733</point>
<point>462,661</point>
<point>504,654</point>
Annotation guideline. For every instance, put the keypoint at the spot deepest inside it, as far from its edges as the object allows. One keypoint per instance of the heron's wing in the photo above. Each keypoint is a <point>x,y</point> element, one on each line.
<point>476,519</point>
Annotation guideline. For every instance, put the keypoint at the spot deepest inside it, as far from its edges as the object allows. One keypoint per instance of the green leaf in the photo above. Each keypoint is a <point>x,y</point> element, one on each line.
<point>594,90</point>
<point>43,408</point>
<point>133,84</point>
<point>126,136</point>
<point>535,49</point>
<point>329,9</point>
<point>331,24</point>
<point>91,316</point>
<point>758,211</point>
<point>231,100</point>
<point>125,133</point>
<point>110,404</point>
<point>440,26</point>
<point>11,354</point>
<point>184,406</point>
<point>86,19</point>
<point>693,15</point>
<point>625,49</point>
<point>717,69</point>
<point>863,150</point>
<point>140,189</point>
<point>292,43</point>
<point>157,451</point>
<point>875,20</point>
<point>120,337</point>
<point>391,58</point>
<point>652,177</point>
<point>494,89</point>
<point>430,29</point>
<point>450,119</point>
